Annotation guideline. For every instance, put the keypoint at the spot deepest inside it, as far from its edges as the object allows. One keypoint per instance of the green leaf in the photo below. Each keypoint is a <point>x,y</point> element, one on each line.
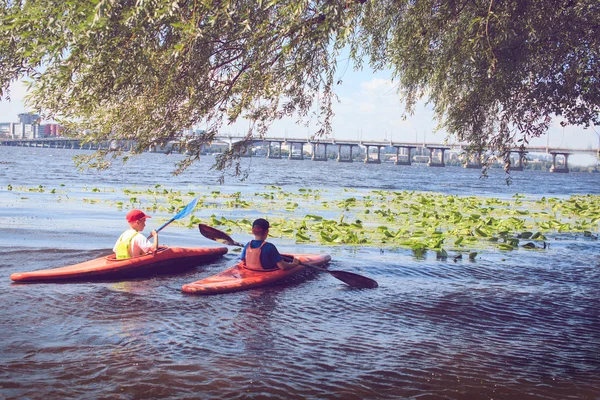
<point>505,246</point>
<point>302,237</point>
<point>313,217</point>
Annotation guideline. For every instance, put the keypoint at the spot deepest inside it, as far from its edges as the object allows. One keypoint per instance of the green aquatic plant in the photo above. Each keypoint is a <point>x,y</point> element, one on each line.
<point>383,219</point>
<point>39,188</point>
<point>313,217</point>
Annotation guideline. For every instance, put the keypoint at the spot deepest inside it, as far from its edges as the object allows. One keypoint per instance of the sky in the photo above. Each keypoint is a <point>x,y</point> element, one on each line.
<point>369,109</point>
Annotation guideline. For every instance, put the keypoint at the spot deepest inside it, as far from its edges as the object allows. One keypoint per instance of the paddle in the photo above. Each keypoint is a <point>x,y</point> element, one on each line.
<point>350,278</point>
<point>181,214</point>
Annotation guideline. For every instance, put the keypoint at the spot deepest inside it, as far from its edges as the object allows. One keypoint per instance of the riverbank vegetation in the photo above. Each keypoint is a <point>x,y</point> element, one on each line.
<point>382,219</point>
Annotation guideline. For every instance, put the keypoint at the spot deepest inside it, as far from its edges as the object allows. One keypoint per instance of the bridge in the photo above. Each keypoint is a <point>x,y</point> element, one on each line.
<point>318,149</point>
<point>67,143</point>
<point>403,151</point>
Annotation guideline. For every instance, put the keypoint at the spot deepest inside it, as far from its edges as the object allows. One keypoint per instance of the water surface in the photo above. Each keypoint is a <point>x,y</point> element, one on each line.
<point>509,325</point>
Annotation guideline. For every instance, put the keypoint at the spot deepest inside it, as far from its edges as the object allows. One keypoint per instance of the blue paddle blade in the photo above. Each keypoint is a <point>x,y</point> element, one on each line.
<point>187,210</point>
<point>181,214</point>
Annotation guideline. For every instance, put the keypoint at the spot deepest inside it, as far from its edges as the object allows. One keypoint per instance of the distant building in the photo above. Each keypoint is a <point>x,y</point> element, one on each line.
<point>29,118</point>
<point>23,131</point>
<point>51,130</point>
<point>4,129</point>
<point>29,127</point>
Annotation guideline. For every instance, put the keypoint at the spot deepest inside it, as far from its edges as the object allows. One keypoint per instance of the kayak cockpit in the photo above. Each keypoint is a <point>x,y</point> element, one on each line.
<point>113,257</point>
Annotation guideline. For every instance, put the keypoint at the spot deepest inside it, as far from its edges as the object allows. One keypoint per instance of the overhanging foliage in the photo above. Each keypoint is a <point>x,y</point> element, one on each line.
<point>495,71</point>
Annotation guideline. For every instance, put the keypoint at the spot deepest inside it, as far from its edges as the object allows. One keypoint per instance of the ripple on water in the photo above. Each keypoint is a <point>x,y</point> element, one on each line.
<point>521,324</point>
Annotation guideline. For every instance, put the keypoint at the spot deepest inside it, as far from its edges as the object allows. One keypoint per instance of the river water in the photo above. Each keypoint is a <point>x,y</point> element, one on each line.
<point>509,325</point>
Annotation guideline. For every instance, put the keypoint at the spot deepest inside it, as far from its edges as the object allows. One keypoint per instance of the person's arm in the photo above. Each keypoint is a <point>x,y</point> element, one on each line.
<point>286,265</point>
<point>144,245</point>
<point>275,257</point>
<point>155,236</point>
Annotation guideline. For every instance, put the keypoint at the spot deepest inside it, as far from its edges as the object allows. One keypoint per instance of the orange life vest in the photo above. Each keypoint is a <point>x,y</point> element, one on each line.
<point>253,257</point>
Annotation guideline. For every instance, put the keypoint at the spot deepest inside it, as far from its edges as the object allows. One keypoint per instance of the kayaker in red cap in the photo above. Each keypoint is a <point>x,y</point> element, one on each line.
<point>259,254</point>
<point>132,243</point>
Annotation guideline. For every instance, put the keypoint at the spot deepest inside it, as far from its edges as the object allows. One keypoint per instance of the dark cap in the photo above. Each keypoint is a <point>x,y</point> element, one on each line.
<point>260,224</point>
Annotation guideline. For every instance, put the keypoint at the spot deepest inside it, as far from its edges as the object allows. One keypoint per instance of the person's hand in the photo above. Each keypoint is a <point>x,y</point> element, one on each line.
<point>153,233</point>
<point>295,262</point>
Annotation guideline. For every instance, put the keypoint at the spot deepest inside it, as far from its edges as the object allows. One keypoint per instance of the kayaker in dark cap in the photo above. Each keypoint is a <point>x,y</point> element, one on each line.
<point>259,254</point>
<point>132,243</point>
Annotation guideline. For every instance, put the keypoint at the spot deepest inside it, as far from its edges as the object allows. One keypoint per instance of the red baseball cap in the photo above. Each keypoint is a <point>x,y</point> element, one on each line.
<point>135,215</point>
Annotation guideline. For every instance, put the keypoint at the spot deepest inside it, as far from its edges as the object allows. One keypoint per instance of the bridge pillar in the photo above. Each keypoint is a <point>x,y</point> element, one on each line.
<point>407,162</point>
<point>247,151</point>
<point>377,160</point>
<point>519,166</point>
<point>291,154</point>
<point>473,160</point>
<point>315,149</point>
<point>558,168</point>
<point>339,155</point>
<point>269,155</point>
<point>433,162</point>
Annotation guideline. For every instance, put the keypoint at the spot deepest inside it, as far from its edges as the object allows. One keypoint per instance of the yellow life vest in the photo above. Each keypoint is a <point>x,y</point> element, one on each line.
<point>124,244</point>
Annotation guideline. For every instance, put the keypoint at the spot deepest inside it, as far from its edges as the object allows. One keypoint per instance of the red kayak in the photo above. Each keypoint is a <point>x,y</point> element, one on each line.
<point>166,259</point>
<point>240,278</point>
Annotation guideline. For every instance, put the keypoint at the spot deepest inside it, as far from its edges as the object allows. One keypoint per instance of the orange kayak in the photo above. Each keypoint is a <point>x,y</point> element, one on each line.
<point>166,259</point>
<point>240,278</point>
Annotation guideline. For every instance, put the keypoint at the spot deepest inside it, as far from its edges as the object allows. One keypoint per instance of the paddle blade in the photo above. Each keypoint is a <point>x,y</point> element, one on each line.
<point>218,236</point>
<point>187,210</point>
<point>181,214</point>
<point>354,280</point>
<point>351,279</point>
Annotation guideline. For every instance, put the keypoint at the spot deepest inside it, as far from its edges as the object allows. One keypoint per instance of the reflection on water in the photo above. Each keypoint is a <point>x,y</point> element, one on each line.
<point>509,325</point>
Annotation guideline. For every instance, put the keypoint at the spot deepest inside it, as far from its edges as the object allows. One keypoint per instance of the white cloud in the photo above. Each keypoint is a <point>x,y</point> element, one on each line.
<point>375,84</point>
<point>375,112</point>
